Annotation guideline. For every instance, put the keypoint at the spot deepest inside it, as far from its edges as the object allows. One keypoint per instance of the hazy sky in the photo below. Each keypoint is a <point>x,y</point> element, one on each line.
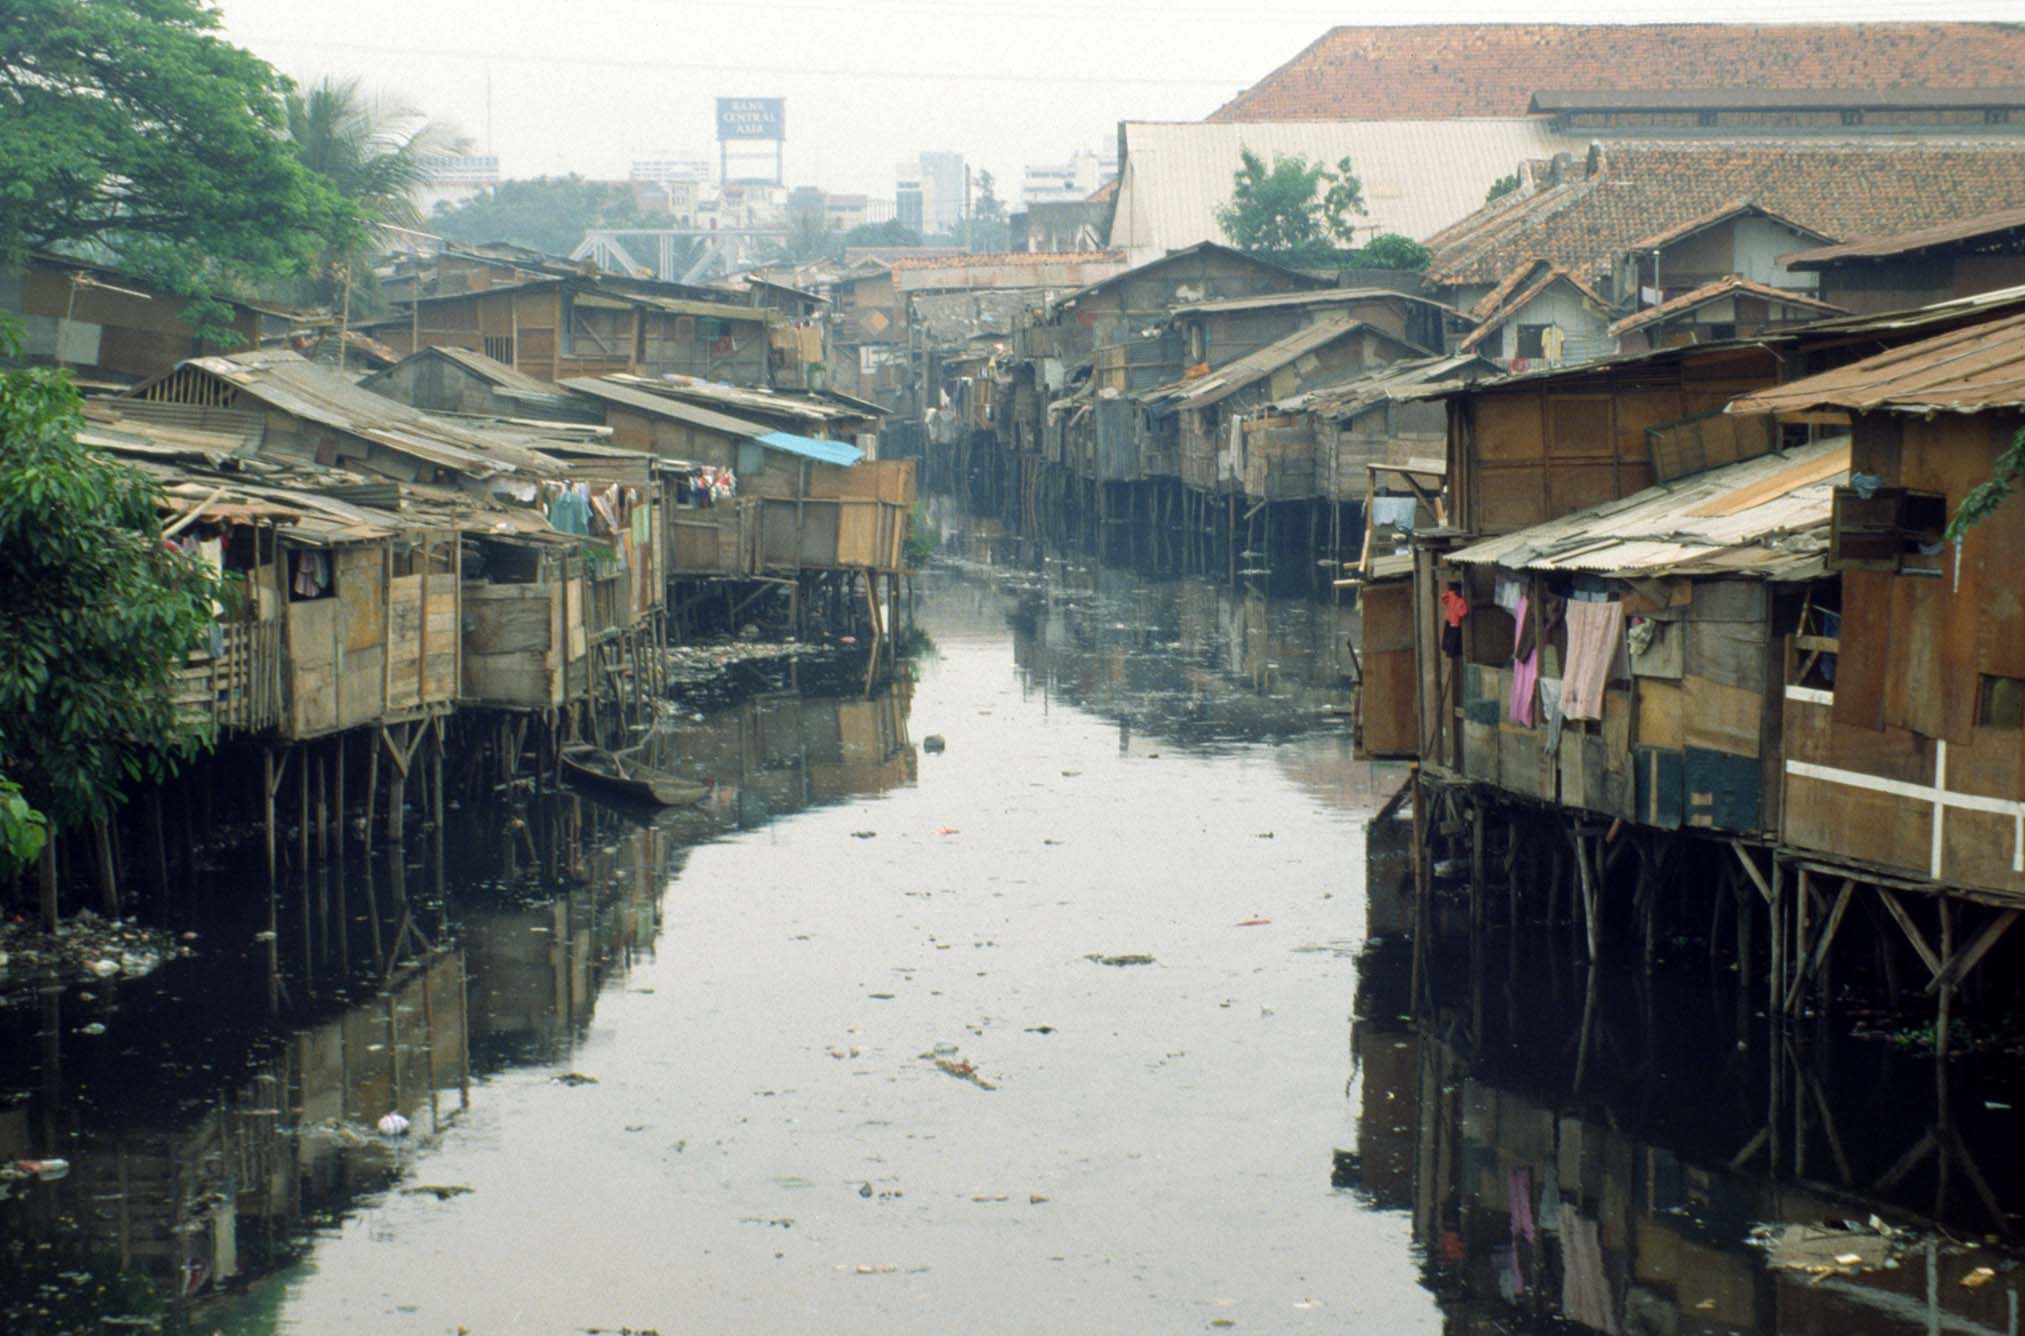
<point>590,85</point>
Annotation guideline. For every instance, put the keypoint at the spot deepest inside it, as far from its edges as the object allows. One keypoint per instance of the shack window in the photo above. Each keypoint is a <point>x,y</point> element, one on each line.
<point>499,349</point>
<point>1532,341</point>
<point>2003,702</point>
<point>1891,529</point>
<point>596,331</point>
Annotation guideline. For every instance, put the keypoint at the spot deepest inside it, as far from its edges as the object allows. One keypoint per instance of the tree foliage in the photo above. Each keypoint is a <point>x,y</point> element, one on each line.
<point>98,616</point>
<point>987,229</point>
<point>892,232</point>
<point>1292,209</point>
<point>544,213</point>
<point>131,134</point>
<point>1389,250</point>
<point>1502,187</point>
<point>373,154</point>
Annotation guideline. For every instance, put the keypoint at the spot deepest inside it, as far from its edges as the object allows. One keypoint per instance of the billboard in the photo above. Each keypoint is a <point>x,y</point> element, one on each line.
<point>752,118</point>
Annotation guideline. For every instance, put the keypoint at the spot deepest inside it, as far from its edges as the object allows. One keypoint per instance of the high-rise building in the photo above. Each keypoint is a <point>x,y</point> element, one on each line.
<point>664,170</point>
<point>1076,179</point>
<point>911,200</point>
<point>947,179</point>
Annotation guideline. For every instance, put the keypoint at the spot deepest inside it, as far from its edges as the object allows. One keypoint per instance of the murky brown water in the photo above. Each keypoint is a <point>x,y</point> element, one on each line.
<point>851,1068</point>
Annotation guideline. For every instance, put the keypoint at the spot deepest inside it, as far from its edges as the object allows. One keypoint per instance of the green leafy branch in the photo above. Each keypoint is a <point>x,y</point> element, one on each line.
<point>1985,497</point>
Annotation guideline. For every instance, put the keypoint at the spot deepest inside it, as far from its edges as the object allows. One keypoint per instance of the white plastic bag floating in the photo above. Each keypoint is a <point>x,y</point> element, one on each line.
<point>393,1125</point>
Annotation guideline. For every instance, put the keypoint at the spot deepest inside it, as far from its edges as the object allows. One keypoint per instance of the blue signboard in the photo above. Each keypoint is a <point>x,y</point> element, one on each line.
<point>752,118</point>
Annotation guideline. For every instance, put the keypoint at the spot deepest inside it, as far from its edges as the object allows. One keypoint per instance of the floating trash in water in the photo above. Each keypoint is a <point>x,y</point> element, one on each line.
<point>393,1125</point>
<point>1133,959</point>
<point>575,1079</point>
<point>933,743</point>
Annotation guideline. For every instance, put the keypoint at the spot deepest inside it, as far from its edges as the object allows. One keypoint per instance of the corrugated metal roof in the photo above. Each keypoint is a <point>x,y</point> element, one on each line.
<point>660,405</point>
<point>1722,287</point>
<point>808,447</point>
<point>1418,176</point>
<point>318,394</point>
<point>737,398</point>
<point>1226,380</point>
<point>1321,297</point>
<point>1763,517</point>
<point>1965,370</point>
<point>1906,243</point>
<point>1352,397</point>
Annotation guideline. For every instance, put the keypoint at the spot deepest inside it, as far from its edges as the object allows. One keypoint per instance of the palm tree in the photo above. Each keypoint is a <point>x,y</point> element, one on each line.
<point>375,153</point>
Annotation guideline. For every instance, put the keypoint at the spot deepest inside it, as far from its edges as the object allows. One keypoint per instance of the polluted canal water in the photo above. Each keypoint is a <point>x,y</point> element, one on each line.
<point>1046,1028</point>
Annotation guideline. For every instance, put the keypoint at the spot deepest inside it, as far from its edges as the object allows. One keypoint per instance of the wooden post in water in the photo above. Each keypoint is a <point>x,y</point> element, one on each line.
<point>302,803</point>
<point>267,779</point>
<point>397,785</point>
<point>322,809</point>
<point>372,781</point>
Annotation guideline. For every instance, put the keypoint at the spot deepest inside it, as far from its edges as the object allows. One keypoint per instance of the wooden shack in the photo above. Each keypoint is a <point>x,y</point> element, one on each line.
<point>1653,635</point>
<point>1524,449</point>
<point>1957,258</point>
<point>797,502</point>
<point>526,644</point>
<point>107,326</point>
<point>449,379</point>
<point>1214,333</point>
<point>310,414</point>
<point>1273,455</point>
<point>1731,307</point>
<point>1904,755</point>
<point>556,328</point>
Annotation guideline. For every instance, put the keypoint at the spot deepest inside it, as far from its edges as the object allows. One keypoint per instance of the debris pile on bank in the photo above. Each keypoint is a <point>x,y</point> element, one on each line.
<point>83,946</point>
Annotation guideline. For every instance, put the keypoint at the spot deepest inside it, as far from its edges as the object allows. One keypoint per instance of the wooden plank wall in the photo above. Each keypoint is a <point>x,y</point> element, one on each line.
<point>1527,453</point>
<point>1915,650</point>
<point>1686,739</point>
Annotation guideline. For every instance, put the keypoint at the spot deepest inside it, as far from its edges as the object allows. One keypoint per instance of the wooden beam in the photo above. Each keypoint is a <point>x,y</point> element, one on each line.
<point>1912,932</point>
<point>1757,877</point>
<point>1957,968</point>
<point>396,751</point>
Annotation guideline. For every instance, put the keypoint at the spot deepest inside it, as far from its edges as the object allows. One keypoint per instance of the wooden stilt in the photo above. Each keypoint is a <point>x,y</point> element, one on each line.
<point>1944,978</point>
<point>322,809</point>
<point>373,780</point>
<point>267,784</point>
<point>397,783</point>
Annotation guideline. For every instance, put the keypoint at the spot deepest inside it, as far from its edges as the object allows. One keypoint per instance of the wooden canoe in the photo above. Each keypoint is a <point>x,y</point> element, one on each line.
<point>593,768</point>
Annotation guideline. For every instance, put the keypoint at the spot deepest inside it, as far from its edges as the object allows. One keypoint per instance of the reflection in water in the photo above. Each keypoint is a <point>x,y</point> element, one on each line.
<point>1599,1147</point>
<point>216,1113</point>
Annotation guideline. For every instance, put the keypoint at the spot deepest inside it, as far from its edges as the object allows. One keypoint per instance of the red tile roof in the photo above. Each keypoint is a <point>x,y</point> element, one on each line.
<point>1633,188</point>
<point>1441,71</point>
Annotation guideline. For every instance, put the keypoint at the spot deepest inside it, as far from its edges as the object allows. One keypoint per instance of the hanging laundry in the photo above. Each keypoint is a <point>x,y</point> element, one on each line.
<point>1453,609</point>
<point>1550,711</point>
<point>1398,512</point>
<point>1525,673</point>
<point>312,573</point>
<point>570,513</point>
<point>1640,635</point>
<point>1592,648</point>
<point>1508,593</point>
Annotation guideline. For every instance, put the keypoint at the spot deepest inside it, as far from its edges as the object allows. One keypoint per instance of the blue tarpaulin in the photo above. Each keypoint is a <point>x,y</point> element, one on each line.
<point>808,447</point>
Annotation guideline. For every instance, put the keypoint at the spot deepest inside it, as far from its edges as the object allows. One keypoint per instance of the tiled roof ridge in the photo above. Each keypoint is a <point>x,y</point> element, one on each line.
<point>1495,68</point>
